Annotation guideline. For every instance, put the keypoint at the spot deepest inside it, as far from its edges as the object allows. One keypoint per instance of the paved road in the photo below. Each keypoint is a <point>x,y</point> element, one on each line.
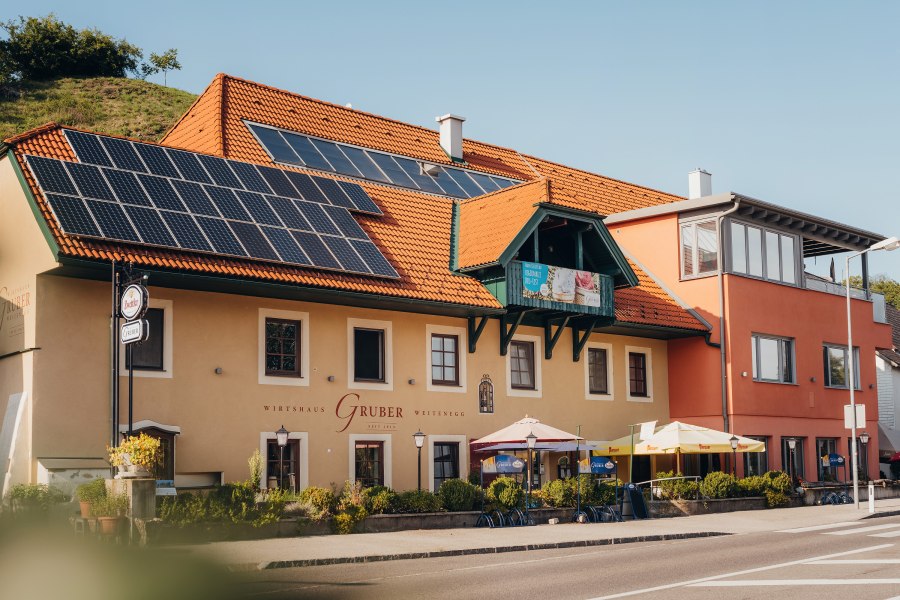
<point>859,560</point>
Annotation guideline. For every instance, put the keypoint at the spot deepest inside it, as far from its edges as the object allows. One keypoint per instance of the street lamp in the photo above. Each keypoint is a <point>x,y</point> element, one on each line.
<point>792,444</point>
<point>891,243</point>
<point>281,436</point>
<point>419,438</point>
<point>864,440</point>
<point>530,439</point>
<point>734,445</point>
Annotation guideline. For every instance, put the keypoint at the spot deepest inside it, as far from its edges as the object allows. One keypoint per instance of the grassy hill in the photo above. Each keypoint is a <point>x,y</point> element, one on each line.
<point>120,106</point>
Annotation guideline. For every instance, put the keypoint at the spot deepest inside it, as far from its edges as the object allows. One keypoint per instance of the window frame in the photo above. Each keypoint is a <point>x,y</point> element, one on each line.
<point>264,378</point>
<point>461,352</point>
<point>538,349</point>
<point>799,455</point>
<point>528,358</point>
<point>167,372</point>
<point>756,363</point>
<point>302,437</point>
<point>693,225</point>
<point>462,441</point>
<point>827,371</point>
<point>387,456</point>
<point>387,366</point>
<point>298,371</point>
<point>764,253</point>
<point>610,381</point>
<point>648,371</point>
<point>162,348</point>
<point>749,455</point>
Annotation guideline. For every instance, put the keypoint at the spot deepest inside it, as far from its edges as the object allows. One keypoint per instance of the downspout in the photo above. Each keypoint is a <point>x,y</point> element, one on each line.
<point>722,344</point>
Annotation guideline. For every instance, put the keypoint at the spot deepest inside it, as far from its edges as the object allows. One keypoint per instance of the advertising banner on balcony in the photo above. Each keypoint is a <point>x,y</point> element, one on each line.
<point>556,284</point>
<point>503,463</point>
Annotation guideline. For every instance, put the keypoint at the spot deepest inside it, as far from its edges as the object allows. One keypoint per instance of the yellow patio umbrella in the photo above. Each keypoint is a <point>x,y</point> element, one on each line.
<point>617,447</point>
<point>681,438</point>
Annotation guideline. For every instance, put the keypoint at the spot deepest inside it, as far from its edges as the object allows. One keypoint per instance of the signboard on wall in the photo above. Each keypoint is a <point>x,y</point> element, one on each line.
<point>557,284</point>
<point>860,416</point>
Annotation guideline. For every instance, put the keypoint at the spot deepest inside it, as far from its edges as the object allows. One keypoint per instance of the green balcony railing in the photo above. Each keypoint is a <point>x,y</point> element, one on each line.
<point>555,288</point>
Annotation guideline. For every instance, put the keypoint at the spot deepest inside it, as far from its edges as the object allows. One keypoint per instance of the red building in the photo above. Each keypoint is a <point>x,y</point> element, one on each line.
<point>779,372</point>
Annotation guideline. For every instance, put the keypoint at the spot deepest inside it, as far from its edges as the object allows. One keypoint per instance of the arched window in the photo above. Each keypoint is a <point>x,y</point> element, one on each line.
<point>563,467</point>
<point>486,395</point>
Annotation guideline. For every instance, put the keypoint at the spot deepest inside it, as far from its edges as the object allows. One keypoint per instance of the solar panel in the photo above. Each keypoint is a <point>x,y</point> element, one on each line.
<point>186,231</point>
<point>157,160</point>
<point>253,240</point>
<point>390,167</point>
<point>123,154</point>
<point>90,181</point>
<point>250,177</point>
<point>344,252</point>
<point>52,175</point>
<point>162,193</point>
<point>219,170</point>
<point>258,207</point>
<point>196,199</point>
<point>189,166</point>
<point>464,181</point>
<point>364,164</point>
<point>73,216</point>
<point>278,181</point>
<point>361,200</point>
<point>88,148</point>
<point>311,157</point>
<point>306,187</point>
<point>486,183</point>
<point>275,144</point>
<point>414,170</point>
<point>333,192</point>
<point>374,258</point>
<point>450,186</point>
<point>286,246</point>
<point>502,183</point>
<point>150,226</point>
<point>112,220</point>
<point>220,236</point>
<point>126,187</point>
<point>144,194</point>
<point>333,155</point>
<point>318,254</point>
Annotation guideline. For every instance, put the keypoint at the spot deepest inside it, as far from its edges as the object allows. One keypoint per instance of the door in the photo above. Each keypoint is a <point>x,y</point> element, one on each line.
<point>289,464</point>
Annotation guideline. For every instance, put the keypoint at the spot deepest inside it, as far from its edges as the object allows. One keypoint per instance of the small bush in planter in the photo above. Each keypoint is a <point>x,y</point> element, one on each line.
<point>775,499</point>
<point>320,500</point>
<point>505,492</point>
<point>718,485</point>
<point>110,505</point>
<point>417,501</point>
<point>458,495</point>
<point>348,519</point>
<point>142,451</point>
<point>779,481</point>
<point>34,497</point>
<point>753,486</point>
<point>378,500</point>
<point>558,493</point>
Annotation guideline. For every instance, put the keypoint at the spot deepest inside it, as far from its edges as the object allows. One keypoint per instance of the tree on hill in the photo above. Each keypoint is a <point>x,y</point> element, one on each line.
<point>45,48</point>
<point>165,62</point>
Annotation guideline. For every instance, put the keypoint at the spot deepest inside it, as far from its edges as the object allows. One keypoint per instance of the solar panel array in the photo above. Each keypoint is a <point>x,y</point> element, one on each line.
<point>293,148</point>
<point>145,194</point>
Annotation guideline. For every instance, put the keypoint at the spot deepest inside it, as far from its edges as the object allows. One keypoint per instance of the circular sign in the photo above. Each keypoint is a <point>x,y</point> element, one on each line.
<point>134,302</point>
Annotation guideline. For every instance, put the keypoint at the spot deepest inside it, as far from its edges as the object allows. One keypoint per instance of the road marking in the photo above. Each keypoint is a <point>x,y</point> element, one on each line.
<point>818,527</point>
<point>876,561</point>
<point>745,572</point>
<point>889,534</point>
<point>863,529</point>
<point>769,582</point>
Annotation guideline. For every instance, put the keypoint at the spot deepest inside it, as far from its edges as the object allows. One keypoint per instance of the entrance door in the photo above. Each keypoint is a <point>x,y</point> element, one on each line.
<point>640,470</point>
<point>290,464</point>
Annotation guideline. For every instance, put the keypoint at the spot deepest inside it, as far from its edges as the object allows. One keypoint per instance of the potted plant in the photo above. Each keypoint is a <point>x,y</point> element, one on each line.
<point>88,493</point>
<point>109,510</point>
<point>136,456</point>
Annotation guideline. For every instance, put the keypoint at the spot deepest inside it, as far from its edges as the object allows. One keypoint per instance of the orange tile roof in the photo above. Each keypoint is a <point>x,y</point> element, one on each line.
<point>649,304</point>
<point>489,223</point>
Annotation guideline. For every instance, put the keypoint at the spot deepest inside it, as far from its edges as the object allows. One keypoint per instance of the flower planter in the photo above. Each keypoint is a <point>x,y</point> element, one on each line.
<point>85,508</point>
<point>109,525</point>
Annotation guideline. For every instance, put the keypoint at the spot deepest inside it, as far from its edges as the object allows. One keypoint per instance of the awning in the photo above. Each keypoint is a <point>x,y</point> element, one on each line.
<point>888,440</point>
<point>560,447</point>
<point>518,431</point>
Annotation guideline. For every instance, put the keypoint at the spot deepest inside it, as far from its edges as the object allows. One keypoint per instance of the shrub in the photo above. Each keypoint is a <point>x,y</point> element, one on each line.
<point>606,491</point>
<point>779,481</point>
<point>752,486</point>
<point>558,493</point>
<point>229,503</point>
<point>92,490</point>
<point>417,501</point>
<point>678,489</point>
<point>348,519</point>
<point>35,497</point>
<point>718,485</point>
<point>775,499</point>
<point>255,464</point>
<point>505,492</point>
<point>379,499</point>
<point>351,495</point>
<point>458,495</point>
<point>139,450</point>
<point>320,501</point>
<point>110,505</point>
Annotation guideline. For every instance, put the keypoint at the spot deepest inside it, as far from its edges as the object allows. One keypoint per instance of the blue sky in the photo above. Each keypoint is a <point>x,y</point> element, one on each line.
<point>793,103</point>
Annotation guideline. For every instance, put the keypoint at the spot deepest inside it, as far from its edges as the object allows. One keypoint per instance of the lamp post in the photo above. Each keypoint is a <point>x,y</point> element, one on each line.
<point>419,438</point>
<point>734,445</point>
<point>530,439</point>
<point>891,243</point>
<point>281,436</point>
<point>792,444</point>
<point>864,440</point>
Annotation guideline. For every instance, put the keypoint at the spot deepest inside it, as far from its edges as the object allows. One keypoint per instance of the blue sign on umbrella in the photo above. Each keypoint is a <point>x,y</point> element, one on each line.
<point>835,460</point>
<point>602,465</point>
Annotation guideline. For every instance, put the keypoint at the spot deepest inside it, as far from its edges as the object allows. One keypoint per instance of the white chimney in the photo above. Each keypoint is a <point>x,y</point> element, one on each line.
<point>699,184</point>
<point>451,135</point>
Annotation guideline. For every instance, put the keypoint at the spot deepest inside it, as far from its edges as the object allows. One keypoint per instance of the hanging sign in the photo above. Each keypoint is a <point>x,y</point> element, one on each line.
<point>133,303</point>
<point>598,465</point>
<point>503,463</point>
<point>134,331</point>
<point>860,416</point>
<point>832,460</point>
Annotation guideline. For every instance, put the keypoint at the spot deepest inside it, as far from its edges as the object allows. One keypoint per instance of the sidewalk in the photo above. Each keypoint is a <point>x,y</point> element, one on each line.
<point>371,547</point>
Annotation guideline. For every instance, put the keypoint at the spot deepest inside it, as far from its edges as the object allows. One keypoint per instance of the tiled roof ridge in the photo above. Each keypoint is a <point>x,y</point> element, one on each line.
<point>517,187</point>
<point>225,78</point>
<point>34,131</point>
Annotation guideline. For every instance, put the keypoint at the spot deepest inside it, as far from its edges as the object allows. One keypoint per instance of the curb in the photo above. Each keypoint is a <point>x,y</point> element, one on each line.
<point>313,562</point>
<point>888,513</point>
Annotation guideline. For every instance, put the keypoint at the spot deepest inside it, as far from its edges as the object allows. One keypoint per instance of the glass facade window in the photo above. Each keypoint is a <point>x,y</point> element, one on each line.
<point>824,447</point>
<point>773,359</point>
<point>699,248</point>
<point>597,371</point>
<point>637,374</point>
<point>795,468</point>
<point>446,462</point>
<point>282,347</point>
<point>521,365</point>
<point>756,463</point>
<point>763,253</point>
<point>444,359</point>
<point>285,470</point>
<point>368,354</point>
<point>148,355</point>
<point>370,463</point>
<point>837,368</point>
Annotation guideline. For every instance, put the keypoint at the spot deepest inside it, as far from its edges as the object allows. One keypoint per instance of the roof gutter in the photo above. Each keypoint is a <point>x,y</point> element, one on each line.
<point>722,343</point>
